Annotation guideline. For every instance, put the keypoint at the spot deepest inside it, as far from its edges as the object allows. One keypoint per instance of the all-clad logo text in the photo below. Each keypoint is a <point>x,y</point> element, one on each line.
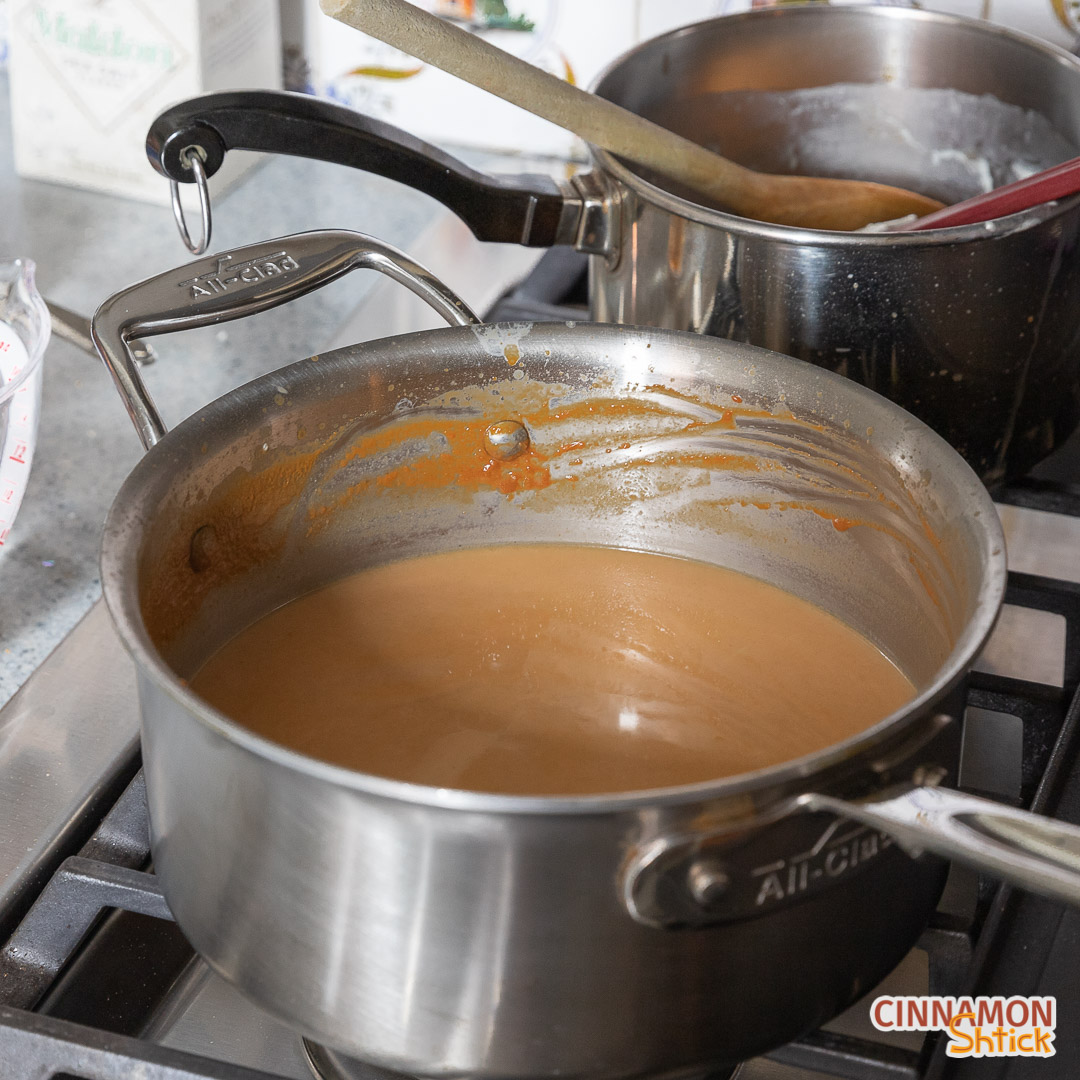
<point>839,850</point>
<point>230,274</point>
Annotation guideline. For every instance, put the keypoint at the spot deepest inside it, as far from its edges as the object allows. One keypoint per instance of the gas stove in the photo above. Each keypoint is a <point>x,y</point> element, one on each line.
<point>97,982</point>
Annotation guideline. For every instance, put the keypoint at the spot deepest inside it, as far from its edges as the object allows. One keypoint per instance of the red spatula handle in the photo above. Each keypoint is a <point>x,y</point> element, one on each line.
<point>1054,183</point>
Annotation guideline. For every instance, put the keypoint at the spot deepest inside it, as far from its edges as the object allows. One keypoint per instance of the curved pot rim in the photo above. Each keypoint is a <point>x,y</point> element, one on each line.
<point>740,226</point>
<point>119,550</point>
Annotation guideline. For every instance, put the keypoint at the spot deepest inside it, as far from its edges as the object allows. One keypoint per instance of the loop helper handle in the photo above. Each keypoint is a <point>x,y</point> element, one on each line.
<point>234,284</point>
<point>526,209</point>
<point>191,159</point>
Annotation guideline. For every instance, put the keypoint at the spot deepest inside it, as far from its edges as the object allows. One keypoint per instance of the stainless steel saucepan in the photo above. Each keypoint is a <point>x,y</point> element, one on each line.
<point>975,329</point>
<point>453,933</point>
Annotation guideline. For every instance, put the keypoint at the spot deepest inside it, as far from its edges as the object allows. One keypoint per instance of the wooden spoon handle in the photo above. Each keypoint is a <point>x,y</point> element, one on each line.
<point>594,119</point>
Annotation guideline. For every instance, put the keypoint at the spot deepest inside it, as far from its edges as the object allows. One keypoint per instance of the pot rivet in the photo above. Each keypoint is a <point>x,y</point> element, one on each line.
<point>506,439</point>
<point>707,880</point>
<point>204,548</point>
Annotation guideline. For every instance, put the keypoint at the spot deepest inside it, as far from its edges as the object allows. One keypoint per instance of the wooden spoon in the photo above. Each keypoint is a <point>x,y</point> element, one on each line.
<point>804,201</point>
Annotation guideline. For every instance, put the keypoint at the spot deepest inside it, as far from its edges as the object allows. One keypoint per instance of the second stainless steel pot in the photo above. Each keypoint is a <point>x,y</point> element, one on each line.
<point>975,331</point>
<point>453,933</point>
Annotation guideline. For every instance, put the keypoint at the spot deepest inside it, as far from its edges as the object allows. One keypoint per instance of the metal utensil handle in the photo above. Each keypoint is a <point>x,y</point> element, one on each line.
<point>75,329</point>
<point>238,283</point>
<point>524,209</point>
<point>1034,852</point>
<point>598,121</point>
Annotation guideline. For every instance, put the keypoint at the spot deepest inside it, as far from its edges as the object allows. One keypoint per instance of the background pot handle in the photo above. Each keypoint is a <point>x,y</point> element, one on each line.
<point>242,282</point>
<point>1034,852</point>
<point>525,209</point>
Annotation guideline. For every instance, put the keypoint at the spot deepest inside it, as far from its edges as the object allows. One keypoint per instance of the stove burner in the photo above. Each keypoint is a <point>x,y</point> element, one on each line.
<point>326,1064</point>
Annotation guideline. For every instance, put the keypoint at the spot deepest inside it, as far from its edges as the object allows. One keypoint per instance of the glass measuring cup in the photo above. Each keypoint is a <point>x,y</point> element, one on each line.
<point>24,333</point>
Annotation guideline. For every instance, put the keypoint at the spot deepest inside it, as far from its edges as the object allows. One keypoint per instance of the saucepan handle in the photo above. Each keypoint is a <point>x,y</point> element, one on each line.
<point>1029,850</point>
<point>810,843</point>
<point>242,282</point>
<point>526,209</point>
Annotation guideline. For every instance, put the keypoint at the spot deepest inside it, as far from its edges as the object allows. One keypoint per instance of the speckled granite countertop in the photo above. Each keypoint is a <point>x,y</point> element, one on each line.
<point>87,246</point>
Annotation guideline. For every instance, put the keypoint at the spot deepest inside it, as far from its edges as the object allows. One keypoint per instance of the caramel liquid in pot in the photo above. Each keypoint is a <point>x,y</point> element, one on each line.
<point>552,669</point>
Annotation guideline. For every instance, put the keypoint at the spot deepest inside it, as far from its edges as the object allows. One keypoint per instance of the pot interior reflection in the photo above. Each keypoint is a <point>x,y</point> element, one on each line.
<point>939,105</point>
<point>942,142</point>
<point>809,484</point>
